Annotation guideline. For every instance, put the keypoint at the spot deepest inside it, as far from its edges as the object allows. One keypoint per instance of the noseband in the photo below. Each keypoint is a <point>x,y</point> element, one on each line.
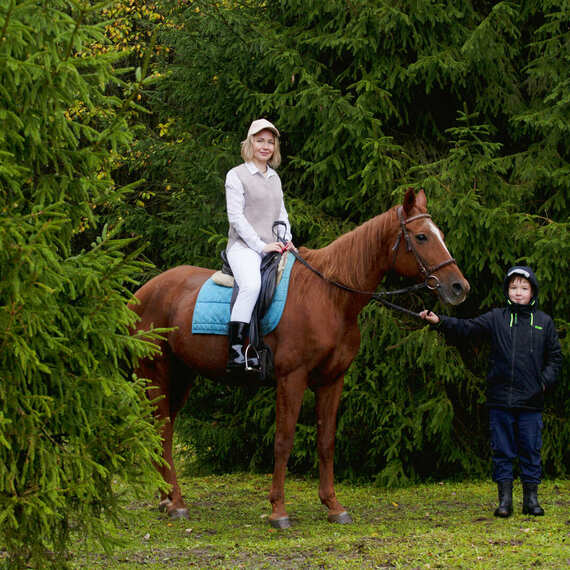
<point>431,280</point>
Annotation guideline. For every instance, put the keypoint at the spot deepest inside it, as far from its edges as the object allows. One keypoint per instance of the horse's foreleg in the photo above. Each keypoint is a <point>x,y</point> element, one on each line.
<point>290,390</point>
<point>327,401</point>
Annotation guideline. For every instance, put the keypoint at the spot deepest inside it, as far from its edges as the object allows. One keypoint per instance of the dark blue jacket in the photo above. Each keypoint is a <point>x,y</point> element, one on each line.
<point>526,356</point>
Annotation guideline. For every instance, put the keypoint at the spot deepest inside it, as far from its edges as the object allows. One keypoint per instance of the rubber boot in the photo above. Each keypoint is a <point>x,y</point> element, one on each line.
<point>237,334</point>
<point>530,500</point>
<point>505,508</point>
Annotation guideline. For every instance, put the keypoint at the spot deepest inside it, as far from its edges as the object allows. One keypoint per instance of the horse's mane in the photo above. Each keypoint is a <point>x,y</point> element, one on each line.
<point>350,257</point>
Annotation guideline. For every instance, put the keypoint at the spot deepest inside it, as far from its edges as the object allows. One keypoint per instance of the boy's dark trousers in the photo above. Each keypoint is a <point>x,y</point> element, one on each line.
<point>516,433</point>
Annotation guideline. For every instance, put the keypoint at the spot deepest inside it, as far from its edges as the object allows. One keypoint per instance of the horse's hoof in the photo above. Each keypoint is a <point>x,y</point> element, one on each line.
<point>176,514</point>
<point>164,504</point>
<point>341,518</point>
<point>280,523</point>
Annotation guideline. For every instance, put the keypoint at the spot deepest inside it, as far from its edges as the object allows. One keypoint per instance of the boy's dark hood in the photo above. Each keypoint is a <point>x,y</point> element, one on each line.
<point>527,273</point>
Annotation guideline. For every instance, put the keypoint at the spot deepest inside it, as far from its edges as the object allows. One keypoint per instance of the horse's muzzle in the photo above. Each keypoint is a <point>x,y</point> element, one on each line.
<point>453,292</point>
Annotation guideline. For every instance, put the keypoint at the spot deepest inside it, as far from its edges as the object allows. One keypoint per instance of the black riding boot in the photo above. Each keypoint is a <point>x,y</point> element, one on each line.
<point>505,508</point>
<point>530,500</point>
<point>237,334</point>
<point>236,359</point>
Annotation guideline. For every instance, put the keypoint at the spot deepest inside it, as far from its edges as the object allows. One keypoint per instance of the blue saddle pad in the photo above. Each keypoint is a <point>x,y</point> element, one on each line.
<point>212,310</point>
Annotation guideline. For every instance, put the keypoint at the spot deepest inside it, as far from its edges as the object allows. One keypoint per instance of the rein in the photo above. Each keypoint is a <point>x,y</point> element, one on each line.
<point>426,270</point>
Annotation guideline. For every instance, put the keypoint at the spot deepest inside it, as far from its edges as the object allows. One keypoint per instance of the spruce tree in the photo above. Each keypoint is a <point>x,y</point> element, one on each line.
<point>72,419</point>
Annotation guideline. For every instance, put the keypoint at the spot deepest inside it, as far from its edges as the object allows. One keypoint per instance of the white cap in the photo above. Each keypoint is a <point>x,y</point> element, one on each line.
<point>519,271</point>
<point>261,124</point>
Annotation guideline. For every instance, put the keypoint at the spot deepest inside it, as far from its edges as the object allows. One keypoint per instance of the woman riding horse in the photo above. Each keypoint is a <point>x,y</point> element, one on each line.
<point>254,201</point>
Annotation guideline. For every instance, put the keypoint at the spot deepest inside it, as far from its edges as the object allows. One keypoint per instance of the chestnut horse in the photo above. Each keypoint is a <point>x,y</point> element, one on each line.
<point>313,345</point>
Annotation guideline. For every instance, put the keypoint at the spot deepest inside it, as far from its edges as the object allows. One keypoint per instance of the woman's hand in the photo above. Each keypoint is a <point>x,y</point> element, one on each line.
<point>273,246</point>
<point>279,247</point>
<point>429,316</point>
<point>289,245</point>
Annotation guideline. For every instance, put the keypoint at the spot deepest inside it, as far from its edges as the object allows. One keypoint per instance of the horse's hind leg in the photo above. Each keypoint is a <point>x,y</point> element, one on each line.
<point>328,398</point>
<point>170,386</point>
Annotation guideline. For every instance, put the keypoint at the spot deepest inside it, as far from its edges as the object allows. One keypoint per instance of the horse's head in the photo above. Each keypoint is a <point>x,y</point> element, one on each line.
<point>420,252</point>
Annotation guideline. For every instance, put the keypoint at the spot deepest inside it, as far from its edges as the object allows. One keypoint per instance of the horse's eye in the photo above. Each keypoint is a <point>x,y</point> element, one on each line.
<point>421,237</point>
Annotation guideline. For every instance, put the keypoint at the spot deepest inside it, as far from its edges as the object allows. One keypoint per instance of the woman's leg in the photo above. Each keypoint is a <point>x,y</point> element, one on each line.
<point>245,264</point>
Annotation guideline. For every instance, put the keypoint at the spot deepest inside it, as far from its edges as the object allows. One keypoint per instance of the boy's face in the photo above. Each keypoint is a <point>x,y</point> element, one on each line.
<point>520,290</point>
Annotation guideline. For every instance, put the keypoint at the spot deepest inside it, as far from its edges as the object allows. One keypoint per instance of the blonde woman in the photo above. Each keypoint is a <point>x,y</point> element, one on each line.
<point>254,200</point>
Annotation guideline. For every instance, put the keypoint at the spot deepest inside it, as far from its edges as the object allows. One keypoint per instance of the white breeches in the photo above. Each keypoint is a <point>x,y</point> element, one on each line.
<point>245,264</point>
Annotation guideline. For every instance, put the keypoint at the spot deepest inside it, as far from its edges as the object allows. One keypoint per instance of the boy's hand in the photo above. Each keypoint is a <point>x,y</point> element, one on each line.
<point>429,316</point>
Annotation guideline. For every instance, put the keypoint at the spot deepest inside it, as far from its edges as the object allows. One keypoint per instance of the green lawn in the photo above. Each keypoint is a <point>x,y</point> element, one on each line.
<point>445,525</point>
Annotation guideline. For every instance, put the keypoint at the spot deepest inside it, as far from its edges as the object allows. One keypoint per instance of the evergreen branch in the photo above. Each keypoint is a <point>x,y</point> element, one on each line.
<point>6,329</point>
<point>7,20</point>
<point>224,20</point>
<point>78,24</point>
<point>138,85</point>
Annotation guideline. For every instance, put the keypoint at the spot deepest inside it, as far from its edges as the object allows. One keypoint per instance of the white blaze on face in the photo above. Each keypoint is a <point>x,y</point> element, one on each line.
<point>437,233</point>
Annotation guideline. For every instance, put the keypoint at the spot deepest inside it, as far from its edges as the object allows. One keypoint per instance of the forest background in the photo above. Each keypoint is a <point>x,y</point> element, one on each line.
<point>118,123</point>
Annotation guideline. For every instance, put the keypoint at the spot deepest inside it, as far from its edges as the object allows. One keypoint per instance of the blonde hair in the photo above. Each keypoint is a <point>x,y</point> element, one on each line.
<point>247,151</point>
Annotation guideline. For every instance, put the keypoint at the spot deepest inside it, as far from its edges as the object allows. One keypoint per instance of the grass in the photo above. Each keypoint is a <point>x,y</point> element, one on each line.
<point>445,525</point>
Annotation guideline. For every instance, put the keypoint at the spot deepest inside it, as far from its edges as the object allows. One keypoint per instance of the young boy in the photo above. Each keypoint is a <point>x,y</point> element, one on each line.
<point>525,361</point>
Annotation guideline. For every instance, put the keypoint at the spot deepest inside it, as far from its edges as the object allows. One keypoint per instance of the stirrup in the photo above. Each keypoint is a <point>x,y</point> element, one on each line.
<point>251,368</point>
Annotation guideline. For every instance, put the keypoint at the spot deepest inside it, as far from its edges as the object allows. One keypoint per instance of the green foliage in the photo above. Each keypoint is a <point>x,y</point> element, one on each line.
<point>72,420</point>
<point>219,438</point>
<point>469,101</point>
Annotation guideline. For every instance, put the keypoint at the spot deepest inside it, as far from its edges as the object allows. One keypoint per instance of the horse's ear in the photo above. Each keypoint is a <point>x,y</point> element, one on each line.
<point>421,200</point>
<point>409,201</point>
<point>418,200</point>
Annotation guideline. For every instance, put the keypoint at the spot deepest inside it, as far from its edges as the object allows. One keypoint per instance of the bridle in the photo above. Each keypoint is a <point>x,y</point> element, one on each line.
<point>430,279</point>
<point>425,269</point>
